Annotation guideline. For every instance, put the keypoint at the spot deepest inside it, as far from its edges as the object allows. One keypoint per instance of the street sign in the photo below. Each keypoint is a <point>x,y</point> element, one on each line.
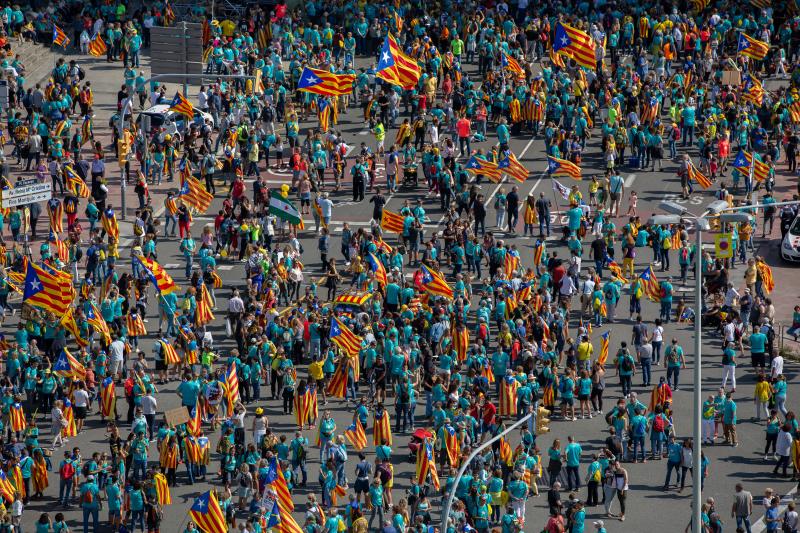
<point>27,194</point>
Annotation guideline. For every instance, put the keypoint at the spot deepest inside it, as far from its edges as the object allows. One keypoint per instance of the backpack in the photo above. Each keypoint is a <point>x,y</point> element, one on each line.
<point>666,243</point>
<point>67,471</point>
<point>673,356</point>
<point>384,473</point>
<point>627,364</point>
<point>658,424</point>
<point>81,73</point>
<point>676,134</point>
<point>85,472</point>
<point>87,497</point>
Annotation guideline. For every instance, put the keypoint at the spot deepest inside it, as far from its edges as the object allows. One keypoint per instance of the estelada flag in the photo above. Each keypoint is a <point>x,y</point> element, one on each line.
<point>511,64</point>
<point>382,429</point>
<point>302,408</point>
<point>108,397</point>
<point>452,445</point>
<point>110,224</point>
<point>576,44</point>
<point>460,336</point>
<point>604,342</point>
<point>752,48</point>
<point>156,274</point>
<point>345,339</point>
<point>325,83</point>
<point>356,435</point>
<point>377,267</point>
<point>162,489</point>
<point>207,514</point>
<point>181,105</point>
<point>392,222</point>
<point>16,415</point>
<point>48,289</point>
<point>396,67</point>
<point>68,367</point>
<point>508,396</point>
<point>75,184</point>
<point>512,167</point>
<point>698,177</point>
<point>434,283</point>
<point>97,47</point>
<point>562,167</point>
<point>55,211</point>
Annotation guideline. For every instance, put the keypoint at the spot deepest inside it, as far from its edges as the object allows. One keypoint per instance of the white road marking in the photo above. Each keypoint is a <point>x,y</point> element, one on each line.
<point>171,265</point>
<point>225,267</point>
<point>519,157</point>
<point>629,180</point>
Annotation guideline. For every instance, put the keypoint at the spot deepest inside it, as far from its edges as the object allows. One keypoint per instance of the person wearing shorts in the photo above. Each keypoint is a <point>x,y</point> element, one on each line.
<point>363,473</point>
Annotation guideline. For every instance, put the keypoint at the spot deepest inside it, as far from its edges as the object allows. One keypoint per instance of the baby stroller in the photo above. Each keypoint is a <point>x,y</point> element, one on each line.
<point>410,174</point>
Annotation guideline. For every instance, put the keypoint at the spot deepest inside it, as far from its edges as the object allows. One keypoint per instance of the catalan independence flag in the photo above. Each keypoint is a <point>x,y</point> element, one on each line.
<point>207,514</point>
<point>752,48</point>
<point>344,338</point>
<point>162,489</point>
<point>324,83</point>
<point>698,177</point>
<point>67,366</point>
<point>181,105</point>
<point>562,167</point>
<point>744,161</point>
<point>605,339</point>
<point>477,165</point>
<point>97,46</point>
<point>75,183</point>
<point>752,90</point>
<point>396,67</point>
<point>392,222</point>
<point>434,283</point>
<point>323,113</point>
<point>59,37</point>
<point>193,194</point>
<point>511,64</point>
<point>356,435</point>
<point>376,266</point>
<point>576,44</point>
<point>511,166</point>
<point>652,288</point>
<point>160,278</point>
<point>51,291</point>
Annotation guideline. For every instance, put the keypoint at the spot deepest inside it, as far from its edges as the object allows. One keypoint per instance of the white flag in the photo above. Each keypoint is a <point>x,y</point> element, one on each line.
<point>561,189</point>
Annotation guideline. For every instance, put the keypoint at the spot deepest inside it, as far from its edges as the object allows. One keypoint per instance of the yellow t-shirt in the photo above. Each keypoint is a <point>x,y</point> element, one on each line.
<point>585,351</point>
<point>315,370</point>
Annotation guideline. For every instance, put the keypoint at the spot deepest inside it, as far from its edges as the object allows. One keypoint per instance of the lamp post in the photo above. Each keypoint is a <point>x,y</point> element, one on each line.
<point>701,224</point>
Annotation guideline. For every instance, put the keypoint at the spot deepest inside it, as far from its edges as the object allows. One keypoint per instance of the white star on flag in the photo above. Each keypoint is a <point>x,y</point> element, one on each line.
<point>311,79</point>
<point>386,57</point>
<point>564,40</point>
<point>35,285</point>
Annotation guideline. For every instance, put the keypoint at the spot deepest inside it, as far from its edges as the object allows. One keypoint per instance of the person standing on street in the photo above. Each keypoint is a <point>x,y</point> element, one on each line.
<point>742,507</point>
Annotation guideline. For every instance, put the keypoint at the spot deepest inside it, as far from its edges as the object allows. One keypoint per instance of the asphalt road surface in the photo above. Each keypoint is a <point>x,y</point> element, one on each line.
<point>649,508</point>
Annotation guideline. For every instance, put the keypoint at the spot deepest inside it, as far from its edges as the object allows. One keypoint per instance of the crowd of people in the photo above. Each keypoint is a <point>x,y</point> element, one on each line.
<point>465,321</point>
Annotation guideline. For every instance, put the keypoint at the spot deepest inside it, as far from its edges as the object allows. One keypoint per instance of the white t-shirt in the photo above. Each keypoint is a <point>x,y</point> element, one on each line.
<point>658,334</point>
<point>776,367</point>
<point>116,350</point>
<point>81,398</point>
